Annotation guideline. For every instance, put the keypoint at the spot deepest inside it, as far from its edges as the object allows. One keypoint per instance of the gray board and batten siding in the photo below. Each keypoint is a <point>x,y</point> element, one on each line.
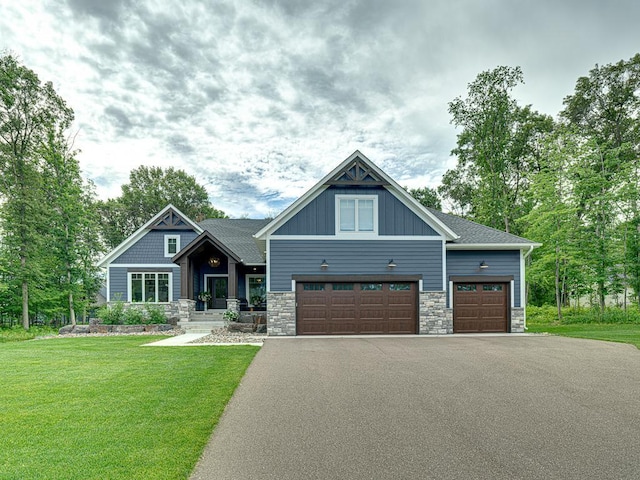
<point>348,257</point>
<point>500,263</point>
<point>150,248</point>
<point>318,217</point>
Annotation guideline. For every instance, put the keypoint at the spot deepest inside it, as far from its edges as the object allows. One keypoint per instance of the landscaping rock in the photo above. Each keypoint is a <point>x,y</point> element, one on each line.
<point>66,330</point>
<point>240,327</point>
<point>261,328</point>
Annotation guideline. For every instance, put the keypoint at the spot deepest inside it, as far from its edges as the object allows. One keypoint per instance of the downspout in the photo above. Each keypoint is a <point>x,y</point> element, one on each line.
<point>522,299</point>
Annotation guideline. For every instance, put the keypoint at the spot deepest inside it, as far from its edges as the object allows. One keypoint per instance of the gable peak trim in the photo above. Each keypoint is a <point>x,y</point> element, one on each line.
<point>357,172</point>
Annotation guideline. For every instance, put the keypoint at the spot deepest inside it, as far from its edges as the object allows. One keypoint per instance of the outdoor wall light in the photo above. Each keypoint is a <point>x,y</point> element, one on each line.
<point>483,265</point>
<point>324,265</point>
<point>213,262</point>
<point>391,264</point>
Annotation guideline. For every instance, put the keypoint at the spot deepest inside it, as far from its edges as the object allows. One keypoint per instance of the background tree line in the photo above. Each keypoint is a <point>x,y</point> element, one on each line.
<point>53,229</point>
<point>571,183</point>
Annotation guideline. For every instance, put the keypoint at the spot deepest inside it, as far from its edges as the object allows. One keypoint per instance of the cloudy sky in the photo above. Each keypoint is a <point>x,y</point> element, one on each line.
<point>260,99</point>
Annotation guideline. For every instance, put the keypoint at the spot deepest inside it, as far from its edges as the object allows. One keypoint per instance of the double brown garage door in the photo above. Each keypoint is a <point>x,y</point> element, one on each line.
<point>480,307</point>
<point>342,308</point>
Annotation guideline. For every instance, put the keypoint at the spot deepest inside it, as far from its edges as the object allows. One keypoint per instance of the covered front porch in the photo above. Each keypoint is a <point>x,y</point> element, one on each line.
<point>213,279</point>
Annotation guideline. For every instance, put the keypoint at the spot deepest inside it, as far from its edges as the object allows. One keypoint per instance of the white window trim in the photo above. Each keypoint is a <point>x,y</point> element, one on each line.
<point>129,285</point>
<point>166,245</point>
<point>356,233</point>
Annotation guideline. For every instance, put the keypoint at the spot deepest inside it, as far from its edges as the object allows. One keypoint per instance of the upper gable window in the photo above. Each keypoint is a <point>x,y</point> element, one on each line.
<point>171,245</point>
<point>356,214</point>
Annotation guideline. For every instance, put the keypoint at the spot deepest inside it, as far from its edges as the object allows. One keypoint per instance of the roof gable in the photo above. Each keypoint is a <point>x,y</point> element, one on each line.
<point>358,170</point>
<point>169,215</point>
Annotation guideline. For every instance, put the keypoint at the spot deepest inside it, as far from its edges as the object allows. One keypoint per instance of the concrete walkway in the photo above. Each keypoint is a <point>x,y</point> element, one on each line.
<point>186,339</point>
<point>490,407</point>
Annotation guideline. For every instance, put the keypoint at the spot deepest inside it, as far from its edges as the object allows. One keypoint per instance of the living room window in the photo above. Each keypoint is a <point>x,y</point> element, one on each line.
<point>171,245</point>
<point>356,214</point>
<point>150,287</point>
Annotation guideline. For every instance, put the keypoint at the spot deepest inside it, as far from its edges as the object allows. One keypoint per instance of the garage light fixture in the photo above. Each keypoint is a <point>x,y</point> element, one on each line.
<point>324,265</point>
<point>391,264</point>
<point>483,265</point>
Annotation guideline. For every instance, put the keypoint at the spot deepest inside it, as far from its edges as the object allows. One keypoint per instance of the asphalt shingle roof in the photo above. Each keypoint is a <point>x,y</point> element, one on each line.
<point>237,235</point>
<point>475,233</point>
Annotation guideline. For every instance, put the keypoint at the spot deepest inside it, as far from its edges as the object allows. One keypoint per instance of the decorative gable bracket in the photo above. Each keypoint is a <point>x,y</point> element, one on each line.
<point>357,172</point>
<point>170,220</point>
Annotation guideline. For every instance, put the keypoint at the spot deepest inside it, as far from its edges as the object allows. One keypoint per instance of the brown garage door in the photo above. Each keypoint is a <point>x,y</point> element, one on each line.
<point>341,308</point>
<point>480,307</point>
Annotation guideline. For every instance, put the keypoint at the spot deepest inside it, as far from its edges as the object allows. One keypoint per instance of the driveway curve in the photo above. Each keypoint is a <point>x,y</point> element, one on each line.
<point>460,407</point>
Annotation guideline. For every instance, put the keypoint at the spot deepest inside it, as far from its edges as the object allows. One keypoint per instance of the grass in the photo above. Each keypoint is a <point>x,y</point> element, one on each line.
<point>614,326</point>
<point>104,407</point>
<point>19,334</point>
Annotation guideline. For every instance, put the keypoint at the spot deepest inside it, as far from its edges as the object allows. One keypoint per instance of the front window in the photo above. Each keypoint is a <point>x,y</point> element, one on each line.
<point>171,245</point>
<point>356,214</point>
<point>149,287</point>
<point>257,290</point>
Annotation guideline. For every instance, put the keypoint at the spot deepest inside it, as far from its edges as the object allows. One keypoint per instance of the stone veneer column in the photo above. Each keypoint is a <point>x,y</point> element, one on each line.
<point>281,313</point>
<point>517,320</point>
<point>233,304</point>
<point>435,317</point>
<point>185,308</point>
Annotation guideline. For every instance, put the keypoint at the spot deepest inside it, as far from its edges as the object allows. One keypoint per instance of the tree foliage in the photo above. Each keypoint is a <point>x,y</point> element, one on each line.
<point>149,190</point>
<point>427,196</point>
<point>497,149</point>
<point>48,248</point>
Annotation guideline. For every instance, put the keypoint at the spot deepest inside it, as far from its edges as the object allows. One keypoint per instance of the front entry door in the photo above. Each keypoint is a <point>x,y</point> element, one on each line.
<point>218,286</point>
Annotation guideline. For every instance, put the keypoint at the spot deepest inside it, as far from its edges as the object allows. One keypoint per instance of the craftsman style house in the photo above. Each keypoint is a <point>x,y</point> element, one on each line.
<point>356,254</point>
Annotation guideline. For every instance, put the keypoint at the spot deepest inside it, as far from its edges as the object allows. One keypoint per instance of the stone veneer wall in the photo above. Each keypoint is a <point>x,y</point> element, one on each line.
<point>517,320</point>
<point>185,308</point>
<point>233,304</point>
<point>281,313</point>
<point>435,317</point>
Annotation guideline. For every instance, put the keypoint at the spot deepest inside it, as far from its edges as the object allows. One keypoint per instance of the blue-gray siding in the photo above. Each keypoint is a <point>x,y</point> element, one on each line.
<point>463,262</point>
<point>150,248</point>
<point>118,288</point>
<point>319,216</point>
<point>351,257</point>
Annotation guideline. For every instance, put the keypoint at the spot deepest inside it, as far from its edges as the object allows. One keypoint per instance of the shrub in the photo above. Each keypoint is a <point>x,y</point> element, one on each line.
<point>230,315</point>
<point>133,316</point>
<point>112,314</point>
<point>155,315</point>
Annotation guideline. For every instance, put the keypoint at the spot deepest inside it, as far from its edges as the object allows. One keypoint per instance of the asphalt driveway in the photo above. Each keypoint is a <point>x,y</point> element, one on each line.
<point>520,407</point>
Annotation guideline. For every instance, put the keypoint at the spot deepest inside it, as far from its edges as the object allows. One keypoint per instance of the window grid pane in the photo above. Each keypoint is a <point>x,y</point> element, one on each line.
<point>172,245</point>
<point>136,287</point>
<point>150,287</point>
<point>163,287</point>
<point>347,215</point>
<point>365,215</point>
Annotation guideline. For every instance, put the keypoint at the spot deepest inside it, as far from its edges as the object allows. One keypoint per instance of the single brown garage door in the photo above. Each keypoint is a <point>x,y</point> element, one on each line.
<point>341,308</point>
<point>480,307</point>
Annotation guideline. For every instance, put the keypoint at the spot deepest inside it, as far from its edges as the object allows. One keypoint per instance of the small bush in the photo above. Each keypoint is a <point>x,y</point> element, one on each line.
<point>112,314</point>
<point>133,316</point>
<point>230,316</point>
<point>155,315</point>
<point>545,314</point>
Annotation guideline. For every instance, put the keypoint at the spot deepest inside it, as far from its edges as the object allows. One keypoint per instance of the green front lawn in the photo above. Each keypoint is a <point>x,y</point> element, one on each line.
<point>620,332</point>
<point>104,407</point>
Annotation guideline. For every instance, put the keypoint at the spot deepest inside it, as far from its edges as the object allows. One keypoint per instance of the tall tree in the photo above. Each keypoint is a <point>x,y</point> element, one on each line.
<point>28,111</point>
<point>150,189</point>
<point>73,227</point>
<point>496,150</point>
<point>605,111</point>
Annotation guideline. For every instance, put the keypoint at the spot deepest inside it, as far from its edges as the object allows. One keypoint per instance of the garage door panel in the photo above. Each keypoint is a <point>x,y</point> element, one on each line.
<point>480,308</point>
<point>367,308</point>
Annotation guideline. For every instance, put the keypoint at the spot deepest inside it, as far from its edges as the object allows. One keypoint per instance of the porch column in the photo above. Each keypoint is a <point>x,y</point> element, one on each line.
<point>233,278</point>
<point>186,278</point>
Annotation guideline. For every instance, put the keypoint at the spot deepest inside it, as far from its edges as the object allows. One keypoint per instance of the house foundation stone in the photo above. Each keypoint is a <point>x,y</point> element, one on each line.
<point>517,320</point>
<point>186,307</point>
<point>281,313</point>
<point>435,317</point>
<point>233,304</point>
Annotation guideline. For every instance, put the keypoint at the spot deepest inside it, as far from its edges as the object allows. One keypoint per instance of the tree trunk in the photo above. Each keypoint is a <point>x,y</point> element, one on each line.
<point>72,312</point>
<point>25,304</point>
<point>558,289</point>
